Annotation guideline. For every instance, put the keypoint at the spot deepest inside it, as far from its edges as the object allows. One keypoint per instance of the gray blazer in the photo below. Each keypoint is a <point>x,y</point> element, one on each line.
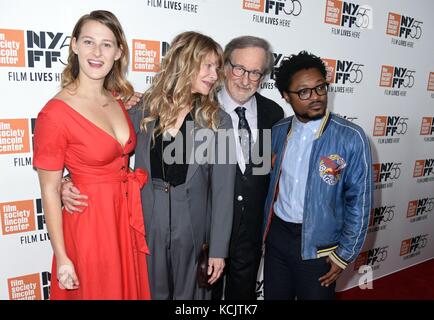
<point>209,188</point>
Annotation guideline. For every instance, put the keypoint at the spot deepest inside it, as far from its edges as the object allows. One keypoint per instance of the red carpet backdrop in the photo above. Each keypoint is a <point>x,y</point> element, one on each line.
<point>379,56</point>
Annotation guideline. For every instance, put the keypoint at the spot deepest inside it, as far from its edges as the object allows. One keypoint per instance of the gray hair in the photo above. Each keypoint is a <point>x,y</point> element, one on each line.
<point>249,42</point>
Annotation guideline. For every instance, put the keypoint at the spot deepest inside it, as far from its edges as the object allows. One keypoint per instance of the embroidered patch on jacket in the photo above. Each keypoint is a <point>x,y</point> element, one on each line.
<point>330,168</point>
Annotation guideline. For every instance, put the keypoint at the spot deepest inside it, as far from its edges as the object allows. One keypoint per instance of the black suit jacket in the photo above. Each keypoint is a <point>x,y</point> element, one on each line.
<point>251,190</point>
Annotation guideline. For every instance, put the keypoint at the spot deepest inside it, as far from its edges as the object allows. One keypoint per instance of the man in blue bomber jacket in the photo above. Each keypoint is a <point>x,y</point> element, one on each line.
<point>320,194</point>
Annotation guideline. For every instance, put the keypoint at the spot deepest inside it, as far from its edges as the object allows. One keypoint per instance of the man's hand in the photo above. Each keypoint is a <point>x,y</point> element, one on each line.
<point>215,269</point>
<point>332,275</point>
<point>135,98</point>
<point>71,197</point>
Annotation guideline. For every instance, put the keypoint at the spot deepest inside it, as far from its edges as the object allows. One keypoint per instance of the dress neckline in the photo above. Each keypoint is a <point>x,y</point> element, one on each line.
<point>98,127</point>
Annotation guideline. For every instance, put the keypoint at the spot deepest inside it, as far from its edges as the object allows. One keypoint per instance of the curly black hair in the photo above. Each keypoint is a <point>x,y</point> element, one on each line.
<point>294,63</point>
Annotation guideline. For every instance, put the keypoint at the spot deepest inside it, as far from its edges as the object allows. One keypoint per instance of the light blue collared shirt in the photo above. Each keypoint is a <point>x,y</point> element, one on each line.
<point>295,167</point>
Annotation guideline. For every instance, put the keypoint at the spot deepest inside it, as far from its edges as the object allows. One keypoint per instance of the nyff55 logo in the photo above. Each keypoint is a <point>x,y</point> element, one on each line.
<point>427,126</point>
<point>381,214</point>
<point>346,14</point>
<point>44,48</point>
<point>396,77</point>
<point>423,168</point>
<point>413,244</point>
<point>371,257</point>
<point>387,171</point>
<point>343,71</point>
<point>276,7</point>
<point>419,207</point>
<point>403,26</point>
<point>388,126</point>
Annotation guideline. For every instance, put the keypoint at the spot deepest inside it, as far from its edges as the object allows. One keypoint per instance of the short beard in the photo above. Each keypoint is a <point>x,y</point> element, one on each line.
<point>306,116</point>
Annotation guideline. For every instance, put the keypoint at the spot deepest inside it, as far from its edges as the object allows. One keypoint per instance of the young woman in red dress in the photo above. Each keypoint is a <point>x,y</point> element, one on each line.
<point>99,253</point>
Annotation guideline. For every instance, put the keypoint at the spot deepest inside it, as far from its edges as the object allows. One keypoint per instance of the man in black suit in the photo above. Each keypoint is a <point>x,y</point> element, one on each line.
<point>247,61</point>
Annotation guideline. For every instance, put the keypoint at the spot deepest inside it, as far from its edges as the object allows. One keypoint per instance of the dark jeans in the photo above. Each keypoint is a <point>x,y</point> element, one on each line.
<point>286,275</point>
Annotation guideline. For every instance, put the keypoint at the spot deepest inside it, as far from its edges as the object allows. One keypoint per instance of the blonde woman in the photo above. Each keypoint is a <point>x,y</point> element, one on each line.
<point>101,252</point>
<point>189,202</point>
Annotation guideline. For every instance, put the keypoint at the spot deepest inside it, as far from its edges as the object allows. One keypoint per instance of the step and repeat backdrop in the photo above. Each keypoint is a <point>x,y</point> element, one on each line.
<point>380,60</point>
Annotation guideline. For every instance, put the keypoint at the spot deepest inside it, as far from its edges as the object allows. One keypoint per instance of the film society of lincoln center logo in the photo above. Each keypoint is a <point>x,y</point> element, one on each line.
<point>398,79</point>
<point>14,136</point>
<point>427,129</point>
<point>402,29</point>
<point>12,48</point>
<point>146,56</point>
<point>30,287</point>
<point>389,128</point>
<point>21,217</point>
<point>430,86</point>
<point>343,75</point>
<point>275,11</point>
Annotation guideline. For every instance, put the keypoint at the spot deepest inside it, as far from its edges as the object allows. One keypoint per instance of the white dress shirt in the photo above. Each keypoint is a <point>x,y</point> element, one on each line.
<point>229,105</point>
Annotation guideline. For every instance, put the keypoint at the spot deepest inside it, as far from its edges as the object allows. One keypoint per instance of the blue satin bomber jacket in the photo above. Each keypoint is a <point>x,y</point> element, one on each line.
<point>339,189</point>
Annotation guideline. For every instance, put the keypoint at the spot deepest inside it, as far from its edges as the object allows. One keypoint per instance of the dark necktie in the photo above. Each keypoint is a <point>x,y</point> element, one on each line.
<point>244,133</point>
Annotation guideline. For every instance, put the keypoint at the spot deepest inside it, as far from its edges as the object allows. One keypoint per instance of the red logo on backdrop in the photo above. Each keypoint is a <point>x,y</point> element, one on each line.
<point>333,13</point>
<point>418,168</point>
<point>380,126</point>
<point>30,287</point>
<point>254,5</point>
<point>430,82</point>
<point>17,217</point>
<point>330,65</point>
<point>427,126</point>
<point>386,76</point>
<point>146,55</point>
<point>393,23</point>
<point>12,53</point>
<point>14,136</point>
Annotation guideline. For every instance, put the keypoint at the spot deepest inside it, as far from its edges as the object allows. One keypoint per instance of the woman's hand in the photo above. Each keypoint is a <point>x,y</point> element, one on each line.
<point>215,269</point>
<point>66,276</point>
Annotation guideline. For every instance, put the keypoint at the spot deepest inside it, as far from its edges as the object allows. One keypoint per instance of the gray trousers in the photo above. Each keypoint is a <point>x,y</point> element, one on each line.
<point>172,264</point>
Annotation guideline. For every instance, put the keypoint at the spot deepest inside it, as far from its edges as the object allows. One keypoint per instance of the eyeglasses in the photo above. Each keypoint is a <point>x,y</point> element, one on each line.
<point>306,93</point>
<point>239,71</point>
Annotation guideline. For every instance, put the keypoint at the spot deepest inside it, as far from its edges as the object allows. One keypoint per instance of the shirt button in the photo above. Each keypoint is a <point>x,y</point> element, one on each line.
<point>299,159</point>
<point>123,168</point>
<point>296,181</point>
<point>304,138</point>
<point>240,198</point>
